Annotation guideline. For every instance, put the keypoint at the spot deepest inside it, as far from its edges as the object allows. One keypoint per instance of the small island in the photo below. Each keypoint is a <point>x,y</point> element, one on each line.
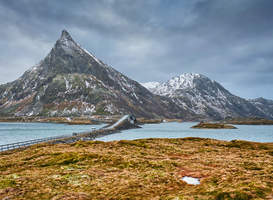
<point>207,125</point>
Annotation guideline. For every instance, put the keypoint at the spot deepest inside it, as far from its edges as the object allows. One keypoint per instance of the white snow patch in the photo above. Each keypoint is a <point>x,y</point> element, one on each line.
<point>191,180</point>
<point>150,85</point>
<point>111,108</point>
<point>135,96</point>
<point>87,84</point>
<point>123,89</point>
<point>183,81</point>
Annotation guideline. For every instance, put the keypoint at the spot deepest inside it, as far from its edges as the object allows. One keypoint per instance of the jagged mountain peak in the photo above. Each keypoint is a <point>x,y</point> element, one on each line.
<point>66,35</point>
<point>71,81</point>
<point>67,43</point>
<point>187,81</point>
<point>67,57</point>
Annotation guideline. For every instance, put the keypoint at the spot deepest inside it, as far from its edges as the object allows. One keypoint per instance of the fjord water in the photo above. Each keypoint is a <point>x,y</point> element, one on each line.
<point>257,133</point>
<point>19,132</point>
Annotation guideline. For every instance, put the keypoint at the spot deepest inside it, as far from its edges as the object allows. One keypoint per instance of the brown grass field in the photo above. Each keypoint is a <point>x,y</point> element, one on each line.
<point>139,169</point>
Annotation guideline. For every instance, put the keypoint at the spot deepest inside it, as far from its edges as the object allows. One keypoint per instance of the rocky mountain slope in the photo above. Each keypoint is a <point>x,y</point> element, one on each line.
<point>205,97</point>
<point>264,105</point>
<point>71,81</point>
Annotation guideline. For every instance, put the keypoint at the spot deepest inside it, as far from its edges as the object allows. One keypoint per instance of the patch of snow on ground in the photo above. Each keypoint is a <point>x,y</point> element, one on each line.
<point>191,180</point>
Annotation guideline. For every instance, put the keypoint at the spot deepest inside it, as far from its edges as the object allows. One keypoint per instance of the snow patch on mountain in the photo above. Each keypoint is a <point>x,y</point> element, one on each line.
<point>184,81</point>
<point>150,85</point>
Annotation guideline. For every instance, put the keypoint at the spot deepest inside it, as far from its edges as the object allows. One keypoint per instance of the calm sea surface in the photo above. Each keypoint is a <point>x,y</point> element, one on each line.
<point>17,132</point>
<point>180,130</point>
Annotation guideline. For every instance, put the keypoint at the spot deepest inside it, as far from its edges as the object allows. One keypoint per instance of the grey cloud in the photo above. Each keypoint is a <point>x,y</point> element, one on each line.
<point>228,41</point>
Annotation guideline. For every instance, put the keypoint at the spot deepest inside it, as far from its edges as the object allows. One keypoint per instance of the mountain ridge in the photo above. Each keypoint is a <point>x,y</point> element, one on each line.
<point>208,98</point>
<point>72,81</point>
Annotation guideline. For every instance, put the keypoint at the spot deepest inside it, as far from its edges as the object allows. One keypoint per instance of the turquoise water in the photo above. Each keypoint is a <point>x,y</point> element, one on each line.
<point>19,132</point>
<point>180,130</point>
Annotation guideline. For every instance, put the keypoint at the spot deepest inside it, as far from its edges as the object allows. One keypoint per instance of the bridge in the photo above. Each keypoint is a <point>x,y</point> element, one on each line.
<point>5,147</point>
<point>129,118</point>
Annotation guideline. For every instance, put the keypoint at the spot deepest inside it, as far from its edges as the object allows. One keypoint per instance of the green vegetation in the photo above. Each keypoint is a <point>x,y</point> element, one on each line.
<point>139,169</point>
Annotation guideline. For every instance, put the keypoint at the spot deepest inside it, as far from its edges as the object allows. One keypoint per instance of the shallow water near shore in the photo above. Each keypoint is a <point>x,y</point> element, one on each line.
<point>256,133</point>
<point>19,132</point>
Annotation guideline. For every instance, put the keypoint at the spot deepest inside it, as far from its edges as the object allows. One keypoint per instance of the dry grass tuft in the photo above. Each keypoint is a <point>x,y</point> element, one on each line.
<point>139,169</point>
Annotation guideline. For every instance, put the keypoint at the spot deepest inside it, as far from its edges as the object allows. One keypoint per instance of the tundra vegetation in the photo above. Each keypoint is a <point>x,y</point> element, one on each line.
<point>139,169</point>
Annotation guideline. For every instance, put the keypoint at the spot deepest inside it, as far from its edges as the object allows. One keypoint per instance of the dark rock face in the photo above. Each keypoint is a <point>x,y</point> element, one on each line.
<point>71,81</point>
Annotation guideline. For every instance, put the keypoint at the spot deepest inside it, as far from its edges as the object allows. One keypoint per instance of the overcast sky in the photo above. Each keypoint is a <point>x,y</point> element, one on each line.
<point>229,41</point>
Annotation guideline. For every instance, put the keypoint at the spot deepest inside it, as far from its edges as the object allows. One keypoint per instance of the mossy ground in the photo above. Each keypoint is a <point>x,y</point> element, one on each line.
<point>139,169</point>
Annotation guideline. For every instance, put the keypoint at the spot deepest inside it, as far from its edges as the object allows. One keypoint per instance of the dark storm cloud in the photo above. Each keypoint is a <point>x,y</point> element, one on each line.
<point>153,40</point>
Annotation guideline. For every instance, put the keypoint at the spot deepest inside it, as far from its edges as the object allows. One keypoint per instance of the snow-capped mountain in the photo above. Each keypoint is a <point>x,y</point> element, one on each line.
<point>72,81</point>
<point>205,97</point>
<point>150,85</point>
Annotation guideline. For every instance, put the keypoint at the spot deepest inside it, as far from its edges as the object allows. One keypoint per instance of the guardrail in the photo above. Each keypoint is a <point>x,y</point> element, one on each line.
<point>31,142</point>
<point>5,147</point>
